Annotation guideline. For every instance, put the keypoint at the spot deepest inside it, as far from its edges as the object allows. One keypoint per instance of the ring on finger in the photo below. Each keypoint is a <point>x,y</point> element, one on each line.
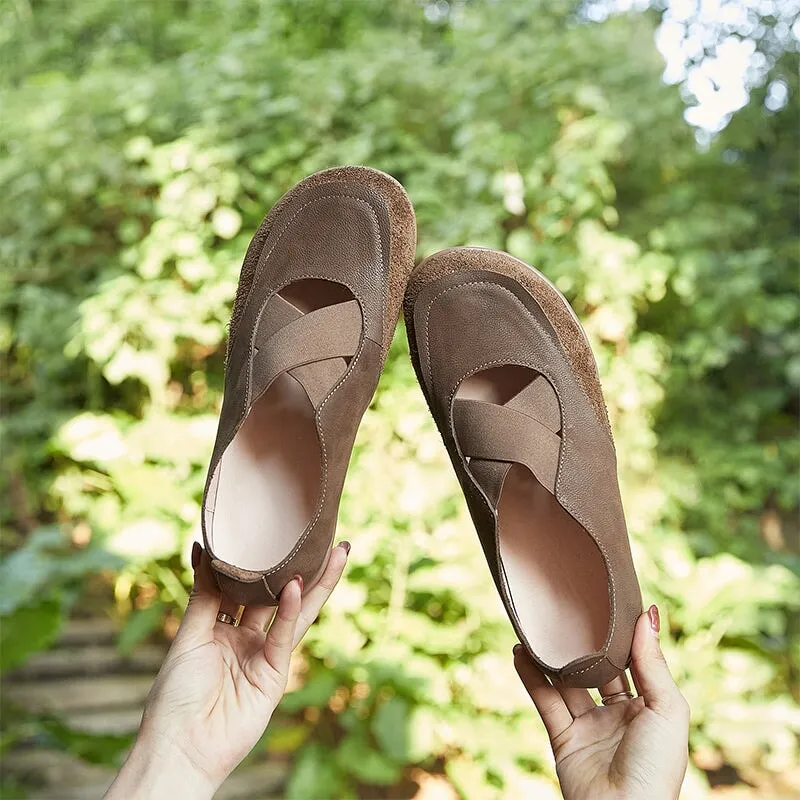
<point>614,698</point>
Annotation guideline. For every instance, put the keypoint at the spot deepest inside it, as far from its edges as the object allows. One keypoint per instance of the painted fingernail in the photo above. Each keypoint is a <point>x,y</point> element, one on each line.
<point>345,546</point>
<point>299,579</point>
<point>655,620</point>
<point>196,551</point>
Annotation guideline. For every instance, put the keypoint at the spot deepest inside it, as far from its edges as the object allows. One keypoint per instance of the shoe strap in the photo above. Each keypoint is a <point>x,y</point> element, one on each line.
<point>313,348</point>
<point>524,430</point>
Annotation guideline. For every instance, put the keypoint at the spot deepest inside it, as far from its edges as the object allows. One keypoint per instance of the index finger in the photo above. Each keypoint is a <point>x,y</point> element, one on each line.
<point>547,699</point>
<point>201,613</point>
<point>319,594</point>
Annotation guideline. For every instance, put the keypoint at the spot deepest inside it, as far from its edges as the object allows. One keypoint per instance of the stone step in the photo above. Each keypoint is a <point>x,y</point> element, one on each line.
<point>55,775</point>
<point>89,630</point>
<point>80,694</point>
<point>85,681</point>
<point>89,659</point>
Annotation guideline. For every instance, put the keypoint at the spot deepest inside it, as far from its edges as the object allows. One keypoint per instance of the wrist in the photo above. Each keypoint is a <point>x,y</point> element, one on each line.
<point>156,769</point>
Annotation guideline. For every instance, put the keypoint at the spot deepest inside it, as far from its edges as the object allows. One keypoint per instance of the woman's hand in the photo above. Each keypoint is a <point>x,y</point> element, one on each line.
<point>630,748</point>
<point>217,688</point>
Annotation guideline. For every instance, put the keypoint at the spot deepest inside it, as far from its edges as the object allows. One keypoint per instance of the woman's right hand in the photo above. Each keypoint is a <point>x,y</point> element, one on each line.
<point>218,686</point>
<point>634,747</point>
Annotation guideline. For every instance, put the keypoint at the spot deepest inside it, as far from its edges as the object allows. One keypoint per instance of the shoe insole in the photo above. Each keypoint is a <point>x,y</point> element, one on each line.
<point>269,476</point>
<point>555,572</point>
<point>268,479</point>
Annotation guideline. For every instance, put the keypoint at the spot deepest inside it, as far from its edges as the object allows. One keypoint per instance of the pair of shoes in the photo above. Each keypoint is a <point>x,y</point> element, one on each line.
<point>510,380</point>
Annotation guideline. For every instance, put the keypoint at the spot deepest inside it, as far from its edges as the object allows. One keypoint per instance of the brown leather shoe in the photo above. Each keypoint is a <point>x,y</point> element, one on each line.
<point>317,305</point>
<point>512,384</point>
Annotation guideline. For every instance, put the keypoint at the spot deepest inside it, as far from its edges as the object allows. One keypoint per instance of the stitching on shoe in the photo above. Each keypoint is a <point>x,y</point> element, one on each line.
<point>543,283</point>
<point>348,372</point>
<point>263,258</point>
<point>591,666</point>
<point>601,547</point>
<point>559,484</point>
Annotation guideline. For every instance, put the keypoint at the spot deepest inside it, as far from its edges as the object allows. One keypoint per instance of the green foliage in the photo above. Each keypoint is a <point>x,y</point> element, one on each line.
<point>40,583</point>
<point>138,154</point>
<point>45,565</point>
<point>139,625</point>
<point>51,732</point>
<point>28,630</point>
<point>92,747</point>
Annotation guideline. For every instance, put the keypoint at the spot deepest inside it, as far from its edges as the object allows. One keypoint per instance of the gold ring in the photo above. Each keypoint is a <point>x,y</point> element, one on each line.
<point>627,693</point>
<point>226,618</point>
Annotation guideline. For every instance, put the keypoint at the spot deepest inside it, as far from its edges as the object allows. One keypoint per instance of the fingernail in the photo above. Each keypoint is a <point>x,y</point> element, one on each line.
<point>196,550</point>
<point>345,546</point>
<point>655,620</point>
<point>299,579</point>
<point>517,649</point>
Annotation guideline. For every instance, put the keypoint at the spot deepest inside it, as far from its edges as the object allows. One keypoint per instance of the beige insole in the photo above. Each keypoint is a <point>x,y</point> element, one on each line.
<point>268,480</point>
<point>269,476</point>
<point>555,572</point>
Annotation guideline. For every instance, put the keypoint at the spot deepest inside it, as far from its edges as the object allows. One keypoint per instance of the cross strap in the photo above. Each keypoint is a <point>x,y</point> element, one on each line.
<point>524,431</point>
<point>538,400</point>
<point>311,347</point>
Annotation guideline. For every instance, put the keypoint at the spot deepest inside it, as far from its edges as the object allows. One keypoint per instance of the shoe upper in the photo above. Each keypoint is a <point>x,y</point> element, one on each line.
<point>336,228</point>
<point>468,311</point>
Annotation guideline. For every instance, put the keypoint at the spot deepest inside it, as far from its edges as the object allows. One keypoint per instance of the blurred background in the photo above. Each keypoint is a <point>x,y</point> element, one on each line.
<point>643,155</point>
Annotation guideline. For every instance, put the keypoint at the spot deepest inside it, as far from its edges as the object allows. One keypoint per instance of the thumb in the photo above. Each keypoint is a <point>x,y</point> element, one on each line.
<point>201,613</point>
<point>649,668</point>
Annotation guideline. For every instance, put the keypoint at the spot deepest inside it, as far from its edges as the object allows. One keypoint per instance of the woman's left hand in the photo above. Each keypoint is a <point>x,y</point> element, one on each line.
<point>218,686</point>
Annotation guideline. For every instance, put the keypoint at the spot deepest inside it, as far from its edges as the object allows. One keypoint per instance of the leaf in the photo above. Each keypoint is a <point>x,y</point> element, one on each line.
<point>422,736</point>
<point>139,625</point>
<point>315,775</point>
<point>468,777</point>
<point>286,738</point>
<point>315,694</point>
<point>27,631</point>
<point>390,726</point>
<point>24,571</point>
<point>46,560</point>
<point>369,766</point>
<point>106,749</point>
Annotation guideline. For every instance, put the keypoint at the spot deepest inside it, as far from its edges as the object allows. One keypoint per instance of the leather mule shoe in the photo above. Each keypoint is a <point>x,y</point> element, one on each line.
<point>316,307</point>
<point>512,385</point>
